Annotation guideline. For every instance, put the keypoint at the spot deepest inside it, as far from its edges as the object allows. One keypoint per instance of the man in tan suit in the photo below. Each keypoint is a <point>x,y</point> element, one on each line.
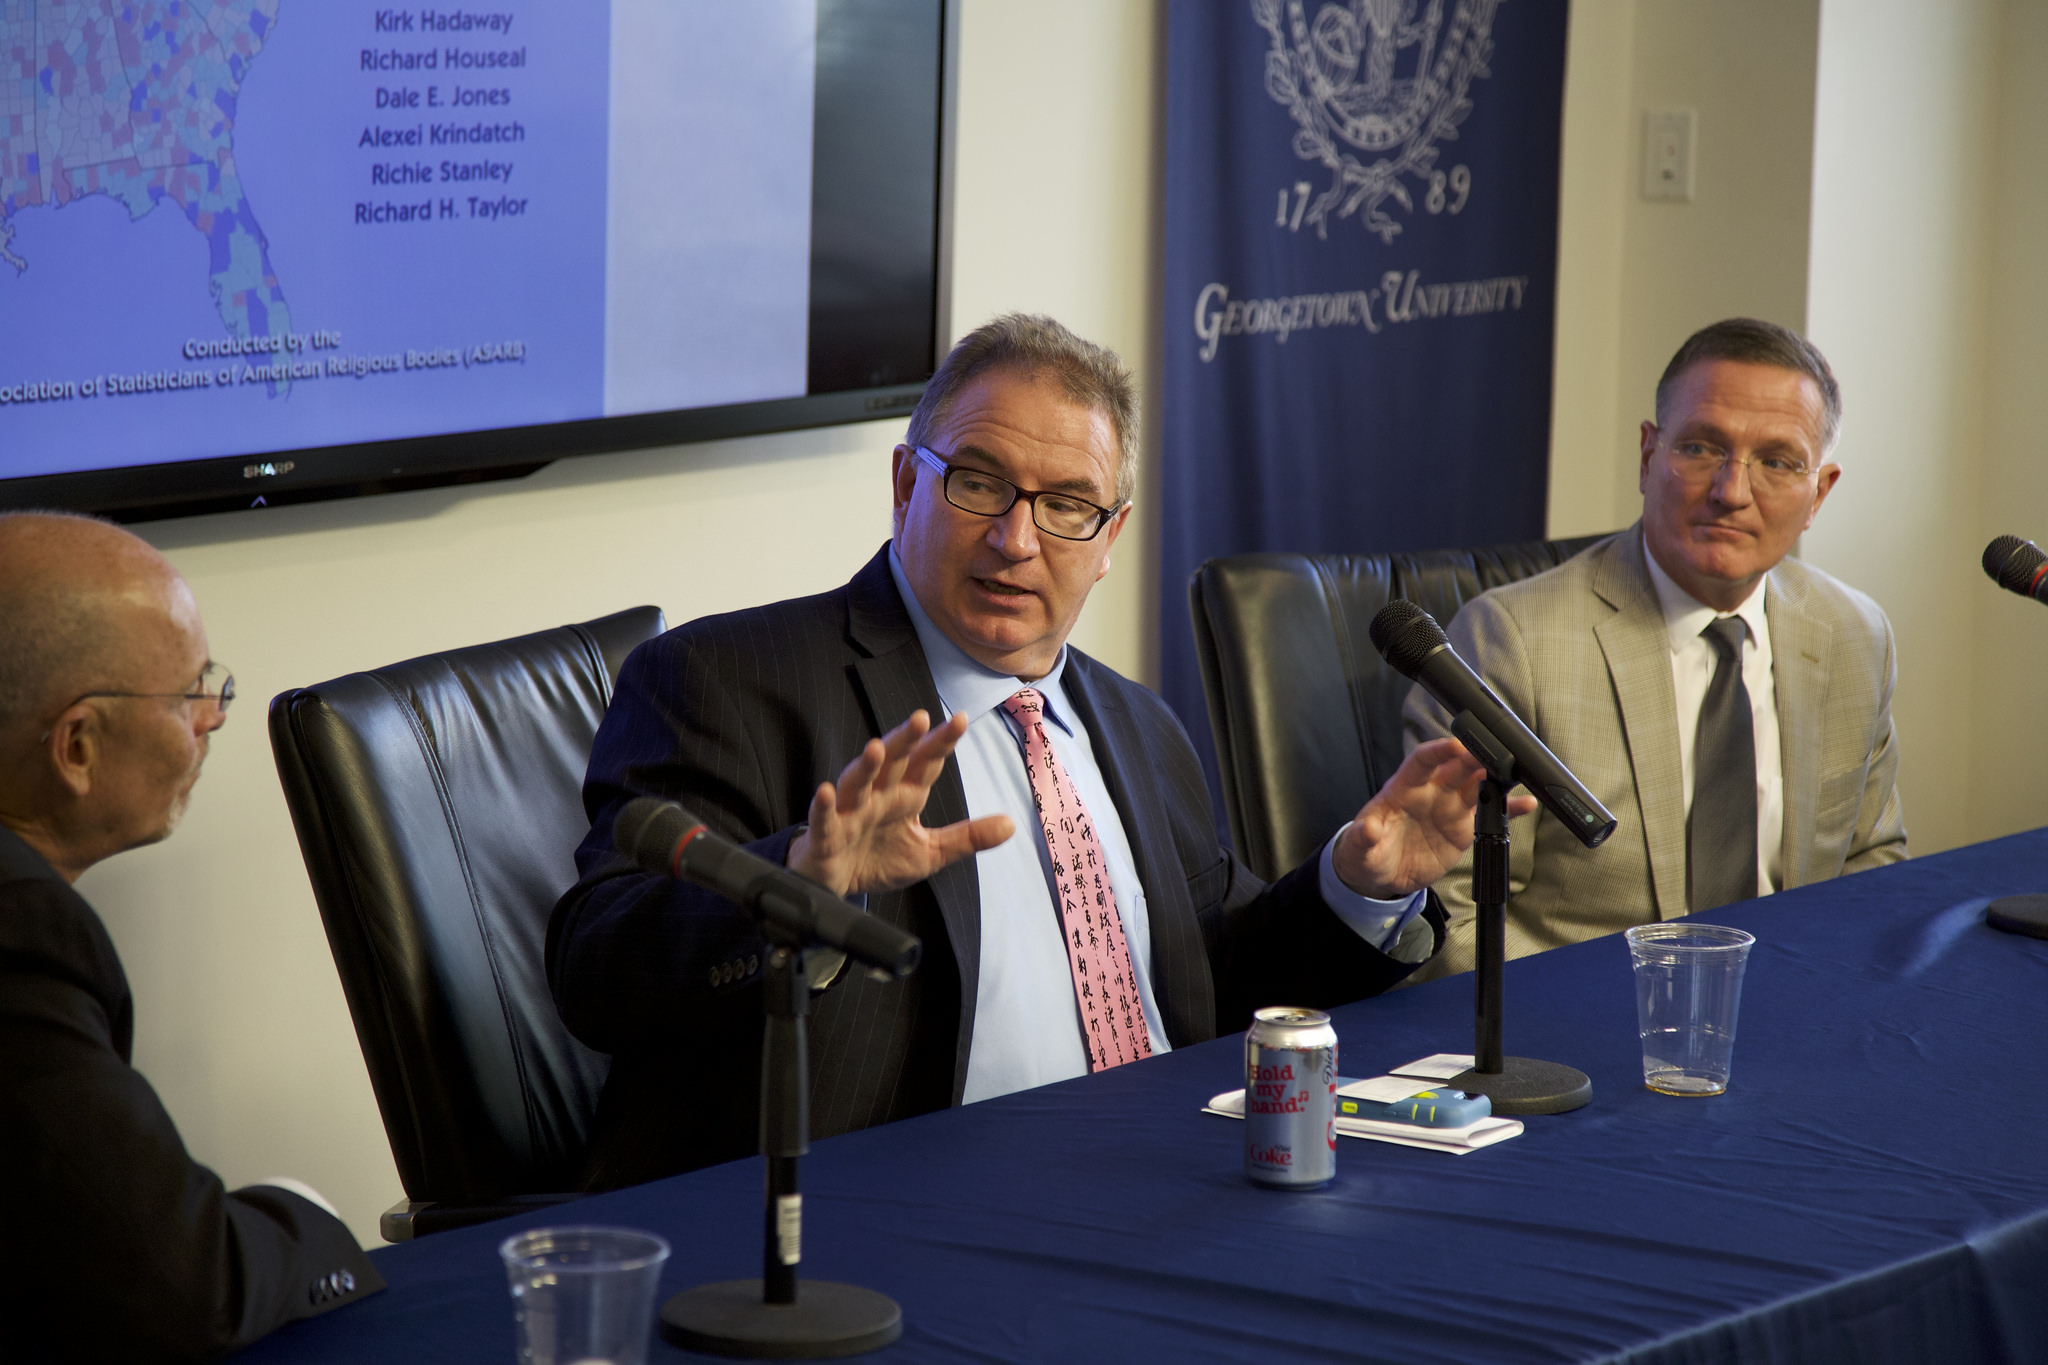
<point>1730,706</point>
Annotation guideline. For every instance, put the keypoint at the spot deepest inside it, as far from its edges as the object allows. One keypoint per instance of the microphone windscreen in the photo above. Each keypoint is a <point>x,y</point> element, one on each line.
<point>631,819</point>
<point>1405,635</point>
<point>647,829</point>
<point>2014,563</point>
<point>879,942</point>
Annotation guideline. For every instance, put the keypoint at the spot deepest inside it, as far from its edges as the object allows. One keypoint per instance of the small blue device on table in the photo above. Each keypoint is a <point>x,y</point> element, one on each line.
<point>1436,1108</point>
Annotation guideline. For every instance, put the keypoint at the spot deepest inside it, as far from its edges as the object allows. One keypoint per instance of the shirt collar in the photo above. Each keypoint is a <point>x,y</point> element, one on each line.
<point>1685,616</point>
<point>962,683</point>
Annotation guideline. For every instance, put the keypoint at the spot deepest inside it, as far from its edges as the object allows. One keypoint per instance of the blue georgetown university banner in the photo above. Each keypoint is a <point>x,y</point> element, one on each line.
<point>1360,267</point>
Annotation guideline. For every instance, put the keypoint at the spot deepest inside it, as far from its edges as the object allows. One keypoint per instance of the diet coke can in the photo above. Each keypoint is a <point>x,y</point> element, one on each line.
<point>1290,1098</point>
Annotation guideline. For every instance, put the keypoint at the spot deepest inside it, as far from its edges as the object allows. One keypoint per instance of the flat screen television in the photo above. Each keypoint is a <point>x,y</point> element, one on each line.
<point>263,251</point>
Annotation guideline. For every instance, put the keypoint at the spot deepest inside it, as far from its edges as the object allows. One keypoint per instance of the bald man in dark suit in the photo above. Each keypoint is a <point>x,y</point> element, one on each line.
<point>117,1246</point>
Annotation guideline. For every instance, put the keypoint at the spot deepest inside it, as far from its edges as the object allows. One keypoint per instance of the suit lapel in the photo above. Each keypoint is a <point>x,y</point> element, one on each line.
<point>896,680</point>
<point>1178,954</point>
<point>1637,648</point>
<point>1799,680</point>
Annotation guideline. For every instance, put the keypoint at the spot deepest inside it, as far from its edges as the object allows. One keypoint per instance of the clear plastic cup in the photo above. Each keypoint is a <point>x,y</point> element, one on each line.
<point>1688,988</point>
<point>583,1295</point>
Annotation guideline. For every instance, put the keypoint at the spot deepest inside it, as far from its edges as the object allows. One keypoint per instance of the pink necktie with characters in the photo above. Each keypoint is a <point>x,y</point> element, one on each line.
<point>1112,1022</point>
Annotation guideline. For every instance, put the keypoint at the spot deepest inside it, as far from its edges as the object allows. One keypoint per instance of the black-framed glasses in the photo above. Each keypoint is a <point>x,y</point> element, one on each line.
<point>991,495</point>
<point>216,685</point>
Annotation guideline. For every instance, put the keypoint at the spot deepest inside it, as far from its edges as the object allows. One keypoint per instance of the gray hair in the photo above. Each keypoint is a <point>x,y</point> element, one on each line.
<point>1752,341</point>
<point>1037,346</point>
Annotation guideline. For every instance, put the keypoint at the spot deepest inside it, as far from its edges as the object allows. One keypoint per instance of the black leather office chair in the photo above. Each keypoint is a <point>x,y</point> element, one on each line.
<point>1306,716</point>
<point>438,805</point>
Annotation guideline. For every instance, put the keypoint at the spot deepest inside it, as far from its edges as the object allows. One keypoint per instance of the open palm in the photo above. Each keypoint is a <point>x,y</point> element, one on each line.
<point>867,831</point>
<point>1418,825</point>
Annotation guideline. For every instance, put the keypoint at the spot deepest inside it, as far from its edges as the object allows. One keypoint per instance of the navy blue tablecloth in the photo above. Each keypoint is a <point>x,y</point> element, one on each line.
<point>1872,1188</point>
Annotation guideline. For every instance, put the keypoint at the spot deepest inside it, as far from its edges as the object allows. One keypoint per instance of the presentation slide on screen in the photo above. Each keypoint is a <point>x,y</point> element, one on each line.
<point>245,226</point>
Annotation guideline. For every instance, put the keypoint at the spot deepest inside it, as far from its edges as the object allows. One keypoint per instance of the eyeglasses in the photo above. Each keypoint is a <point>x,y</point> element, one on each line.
<point>1700,463</point>
<point>216,685</point>
<point>989,495</point>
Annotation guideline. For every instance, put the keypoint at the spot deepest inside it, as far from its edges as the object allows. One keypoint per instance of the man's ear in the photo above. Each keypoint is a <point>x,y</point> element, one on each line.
<point>1649,449</point>
<point>73,747</point>
<point>1822,487</point>
<point>903,483</point>
<point>903,475</point>
<point>1113,530</point>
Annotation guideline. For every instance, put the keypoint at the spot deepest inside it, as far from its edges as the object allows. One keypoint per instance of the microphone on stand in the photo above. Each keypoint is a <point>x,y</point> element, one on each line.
<point>766,1317</point>
<point>1415,645</point>
<point>668,841</point>
<point>2018,566</point>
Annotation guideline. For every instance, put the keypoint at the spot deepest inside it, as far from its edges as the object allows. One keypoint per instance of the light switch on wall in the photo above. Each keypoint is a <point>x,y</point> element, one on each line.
<point>1668,139</point>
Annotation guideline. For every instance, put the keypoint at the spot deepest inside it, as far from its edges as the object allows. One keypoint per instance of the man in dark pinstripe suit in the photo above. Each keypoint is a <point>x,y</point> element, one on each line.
<point>802,729</point>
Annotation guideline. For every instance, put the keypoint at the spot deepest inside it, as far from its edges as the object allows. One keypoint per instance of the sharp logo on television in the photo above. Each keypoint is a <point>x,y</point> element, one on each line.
<point>1386,78</point>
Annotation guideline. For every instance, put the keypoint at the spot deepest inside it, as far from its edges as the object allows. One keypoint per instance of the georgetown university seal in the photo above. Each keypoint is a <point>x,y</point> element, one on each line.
<point>1372,87</point>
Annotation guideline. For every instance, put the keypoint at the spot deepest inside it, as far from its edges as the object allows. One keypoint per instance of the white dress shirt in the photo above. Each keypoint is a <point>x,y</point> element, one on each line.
<point>1692,668</point>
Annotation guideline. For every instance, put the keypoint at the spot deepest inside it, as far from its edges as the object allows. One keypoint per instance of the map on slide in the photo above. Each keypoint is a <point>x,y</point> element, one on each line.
<point>136,100</point>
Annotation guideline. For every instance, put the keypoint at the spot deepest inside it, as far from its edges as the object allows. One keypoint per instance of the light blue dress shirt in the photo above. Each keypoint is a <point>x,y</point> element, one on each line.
<point>1027,1027</point>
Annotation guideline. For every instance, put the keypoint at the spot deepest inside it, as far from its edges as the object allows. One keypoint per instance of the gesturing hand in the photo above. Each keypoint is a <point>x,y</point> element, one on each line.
<point>1418,825</point>
<point>866,833</point>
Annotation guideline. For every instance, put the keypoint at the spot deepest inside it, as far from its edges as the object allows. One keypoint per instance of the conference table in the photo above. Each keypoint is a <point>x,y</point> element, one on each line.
<point>1873,1187</point>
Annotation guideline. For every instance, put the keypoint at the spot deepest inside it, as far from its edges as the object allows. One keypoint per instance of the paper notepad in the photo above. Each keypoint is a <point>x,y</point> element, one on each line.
<point>1438,1066</point>
<point>1482,1133</point>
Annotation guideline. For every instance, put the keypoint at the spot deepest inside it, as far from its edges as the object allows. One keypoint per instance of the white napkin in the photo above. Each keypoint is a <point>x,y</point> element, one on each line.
<point>1470,1138</point>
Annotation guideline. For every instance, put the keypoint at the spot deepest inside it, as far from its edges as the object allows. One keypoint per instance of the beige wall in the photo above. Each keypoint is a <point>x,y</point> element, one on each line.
<point>1594,193</point>
<point>241,1023</point>
<point>1904,201</point>
<point>2007,782</point>
<point>1943,319</point>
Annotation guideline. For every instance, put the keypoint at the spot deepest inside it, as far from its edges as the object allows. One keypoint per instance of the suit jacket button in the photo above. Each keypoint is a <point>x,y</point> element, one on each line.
<point>753,965</point>
<point>714,976</point>
<point>348,1282</point>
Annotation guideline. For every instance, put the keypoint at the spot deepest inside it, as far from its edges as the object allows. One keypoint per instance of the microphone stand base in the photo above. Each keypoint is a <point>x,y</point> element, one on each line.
<point>1524,1085</point>
<point>2019,915</point>
<point>730,1319</point>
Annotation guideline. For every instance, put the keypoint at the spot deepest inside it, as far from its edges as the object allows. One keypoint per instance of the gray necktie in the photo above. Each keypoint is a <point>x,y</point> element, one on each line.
<point>1720,834</point>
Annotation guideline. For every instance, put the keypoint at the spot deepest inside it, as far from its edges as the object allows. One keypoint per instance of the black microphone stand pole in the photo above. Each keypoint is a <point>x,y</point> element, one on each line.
<point>1515,1085</point>
<point>1490,901</point>
<point>770,1318</point>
